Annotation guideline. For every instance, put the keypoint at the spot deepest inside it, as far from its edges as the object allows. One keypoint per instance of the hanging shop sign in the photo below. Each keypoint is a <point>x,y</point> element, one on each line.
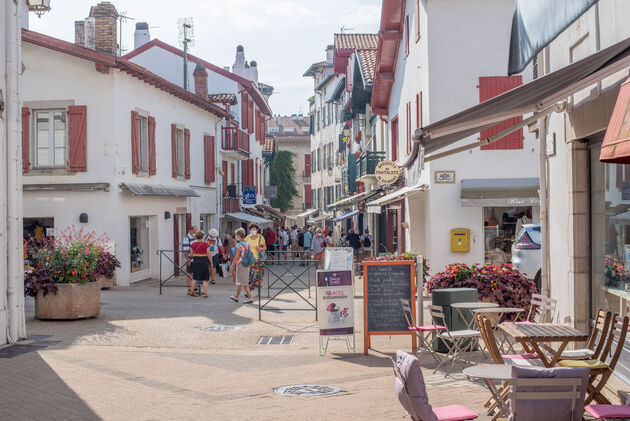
<point>271,192</point>
<point>249,195</point>
<point>387,172</point>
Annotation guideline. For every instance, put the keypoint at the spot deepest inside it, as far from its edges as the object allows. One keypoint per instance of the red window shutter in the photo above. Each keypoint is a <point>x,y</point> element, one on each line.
<point>394,139</point>
<point>188,221</point>
<point>208,150</point>
<point>187,154</point>
<point>152,158</point>
<point>26,118</point>
<point>244,108</point>
<point>77,138</point>
<point>307,163</point>
<point>417,20</point>
<point>224,169</point>
<point>619,181</point>
<point>626,173</point>
<point>135,147</point>
<point>174,150</point>
<point>419,110</point>
<point>307,195</point>
<point>406,35</point>
<point>244,173</point>
<point>408,128</point>
<point>490,87</point>
<point>250,116</point>
<point>176,242</point>
<point>251,172</point>
<point>232,173</point>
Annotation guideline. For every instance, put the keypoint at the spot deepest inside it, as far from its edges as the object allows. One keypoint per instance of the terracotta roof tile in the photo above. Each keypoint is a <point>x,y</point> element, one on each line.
<point>269,145</point>
<point>281,126</point>
<point>356,41</point>
<point>368,64</point>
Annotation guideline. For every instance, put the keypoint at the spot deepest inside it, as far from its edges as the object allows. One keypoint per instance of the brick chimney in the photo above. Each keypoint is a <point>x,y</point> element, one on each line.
<point>99,30</point>
<point>201,81</point>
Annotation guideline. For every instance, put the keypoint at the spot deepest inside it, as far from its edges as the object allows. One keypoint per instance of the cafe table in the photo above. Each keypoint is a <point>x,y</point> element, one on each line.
<point>491,374</point>
<point>470,307</point>
<point>536,336</point>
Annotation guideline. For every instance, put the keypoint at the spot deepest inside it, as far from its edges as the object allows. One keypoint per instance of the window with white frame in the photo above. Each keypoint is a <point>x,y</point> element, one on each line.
<point>143,143</point>
<point>181,163</point>
<point>50,139</point>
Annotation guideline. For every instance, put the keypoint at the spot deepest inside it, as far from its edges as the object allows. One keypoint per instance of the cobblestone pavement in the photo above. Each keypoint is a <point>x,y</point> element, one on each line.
<point>146,358</point>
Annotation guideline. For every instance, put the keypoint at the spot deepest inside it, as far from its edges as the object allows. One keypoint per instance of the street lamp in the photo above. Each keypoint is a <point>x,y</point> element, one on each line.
<point>346,131</point>
<point>39,6</point>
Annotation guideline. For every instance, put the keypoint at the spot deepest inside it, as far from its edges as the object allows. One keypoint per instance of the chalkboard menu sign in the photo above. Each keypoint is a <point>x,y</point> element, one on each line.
<point>385,283</point>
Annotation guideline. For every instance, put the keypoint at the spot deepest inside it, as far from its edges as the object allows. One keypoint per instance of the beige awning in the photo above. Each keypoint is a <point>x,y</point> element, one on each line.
<point>397,195</point>
<point>306,214</point>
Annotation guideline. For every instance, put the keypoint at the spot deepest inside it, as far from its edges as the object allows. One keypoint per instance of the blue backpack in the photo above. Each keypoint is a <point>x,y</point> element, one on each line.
<point>248,258</point>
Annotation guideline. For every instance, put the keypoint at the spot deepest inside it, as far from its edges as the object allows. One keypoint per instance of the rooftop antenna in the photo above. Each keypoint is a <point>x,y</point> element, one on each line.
<point>122,18</point>
<point>186,38</point>
<point>345,28</point>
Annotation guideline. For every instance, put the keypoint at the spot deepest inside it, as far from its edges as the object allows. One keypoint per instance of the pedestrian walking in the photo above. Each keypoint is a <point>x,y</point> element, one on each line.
<point>342,239</point>
<point>284,234</point>
<point>213,241</point>
<point>354,241</point>
<point>270,240</point>
<point>318,246</point>
<point>201,263</point>
<point>188,240</point>
<point>258,246</point>
<point>366,244</point>
<point>329,239</point>
<point>240,270</point>
<point>294,241</point>
<point>224,257</point>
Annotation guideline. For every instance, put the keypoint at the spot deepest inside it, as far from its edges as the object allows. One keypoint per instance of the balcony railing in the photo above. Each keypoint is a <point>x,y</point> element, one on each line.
<point>368,161</point>
<point>234,139</point>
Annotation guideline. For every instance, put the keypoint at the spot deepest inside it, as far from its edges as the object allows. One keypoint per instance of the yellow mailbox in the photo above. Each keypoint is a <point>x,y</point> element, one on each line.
<point>460,240</point>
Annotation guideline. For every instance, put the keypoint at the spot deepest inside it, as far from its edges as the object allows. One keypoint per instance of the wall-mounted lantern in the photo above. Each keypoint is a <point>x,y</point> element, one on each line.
<point>39,7</point>
<point>83,218</point>
<point>167,215</point>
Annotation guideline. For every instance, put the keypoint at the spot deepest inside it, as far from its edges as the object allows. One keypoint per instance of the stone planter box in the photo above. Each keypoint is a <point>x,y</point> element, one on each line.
<point>107,283</point>
<point>72,301</point>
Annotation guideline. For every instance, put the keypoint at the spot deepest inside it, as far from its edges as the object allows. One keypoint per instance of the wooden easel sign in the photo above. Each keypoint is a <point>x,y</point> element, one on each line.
<point>385,283</point>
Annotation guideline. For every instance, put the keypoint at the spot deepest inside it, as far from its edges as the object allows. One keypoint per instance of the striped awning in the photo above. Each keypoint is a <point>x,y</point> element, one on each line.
<point>138,189</point>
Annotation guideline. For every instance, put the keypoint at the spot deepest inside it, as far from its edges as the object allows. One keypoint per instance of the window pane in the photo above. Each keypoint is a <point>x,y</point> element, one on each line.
<point>42,128</point>
<point>59,126</point>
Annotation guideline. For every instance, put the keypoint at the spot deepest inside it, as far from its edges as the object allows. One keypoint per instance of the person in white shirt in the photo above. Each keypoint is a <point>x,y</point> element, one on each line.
<point>294,241</point>
<point>284,235</point>
<point>213,241</point>
<point>366,243</point>
<point>188,240</point>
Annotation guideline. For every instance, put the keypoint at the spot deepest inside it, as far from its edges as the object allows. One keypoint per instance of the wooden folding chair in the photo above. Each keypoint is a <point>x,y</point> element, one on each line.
<point>546,309</point>
<point>425,334</point>
<point>487,333</point>
<point>592,350</point>
<point>458,342</point>
<point>602,369</point>
<point>569,389</point>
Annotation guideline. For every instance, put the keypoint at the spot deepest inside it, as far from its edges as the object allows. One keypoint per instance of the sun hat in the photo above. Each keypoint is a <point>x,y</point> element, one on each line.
<point>214,233</point>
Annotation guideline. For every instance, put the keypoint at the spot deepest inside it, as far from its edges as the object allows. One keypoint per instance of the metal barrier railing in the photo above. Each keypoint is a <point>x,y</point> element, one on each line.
<point>176,267</point>
<point>280,265</point>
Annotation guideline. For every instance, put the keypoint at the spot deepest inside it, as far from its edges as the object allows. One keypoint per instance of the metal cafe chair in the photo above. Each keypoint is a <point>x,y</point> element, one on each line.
<point>458,342</point>
<point>601,369</point>
<point>425,333</point>
<point>546,309</point>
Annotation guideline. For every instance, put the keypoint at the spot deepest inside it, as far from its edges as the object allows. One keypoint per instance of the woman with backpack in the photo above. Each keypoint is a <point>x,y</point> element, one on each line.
<point>258,246</point>
<point>240,266</point>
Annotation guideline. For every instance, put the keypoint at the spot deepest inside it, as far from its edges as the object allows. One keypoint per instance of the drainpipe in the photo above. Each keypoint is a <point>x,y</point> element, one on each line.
<point>544,206</point>
<point>15,264</point>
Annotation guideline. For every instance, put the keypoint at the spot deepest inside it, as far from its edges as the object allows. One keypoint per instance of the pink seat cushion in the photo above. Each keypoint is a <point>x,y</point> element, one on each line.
<point>426,328</point>
<point>605,411</point>
<point>454,413</point>
<point>521,357</point>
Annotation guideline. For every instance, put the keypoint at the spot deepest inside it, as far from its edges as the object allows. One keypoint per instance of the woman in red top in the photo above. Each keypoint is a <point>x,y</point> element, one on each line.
<point>202,262</point>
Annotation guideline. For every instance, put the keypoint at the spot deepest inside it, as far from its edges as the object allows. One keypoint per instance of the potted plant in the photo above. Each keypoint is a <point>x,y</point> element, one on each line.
<point>63,280</point>
<point>106,269</point>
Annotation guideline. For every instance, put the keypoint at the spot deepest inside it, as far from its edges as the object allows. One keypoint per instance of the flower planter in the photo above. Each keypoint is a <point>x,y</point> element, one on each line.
<point>72,301</point>
<point>107,282</point>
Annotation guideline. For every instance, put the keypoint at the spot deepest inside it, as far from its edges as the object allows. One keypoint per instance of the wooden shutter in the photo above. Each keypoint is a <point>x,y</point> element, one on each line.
<point>26,119</point>
<point>307,163</point>
<point>251,172</point>
<point>176,243</point>
<point>244,108</point>
<point>244,173</point>
<point>250,116</point>
<point>408,128</point>
<point>152,158</point>
<point>135,147</point>
<point>187,154</point>
<point>406,35</point>
<point>490,87</point>
<point>188,221</point>
<point>419,110</point>
<point>619,181</point>
<point>417,20</point>
<point>77,138</point>
<point>394,140</point>
<point>174,150</point>
<point>208,150</point>
<point>224,169</point>
<point>307,195</point>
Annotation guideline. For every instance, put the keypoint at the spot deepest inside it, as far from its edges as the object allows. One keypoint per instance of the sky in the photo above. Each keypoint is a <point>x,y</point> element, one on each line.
<point>283,37</point>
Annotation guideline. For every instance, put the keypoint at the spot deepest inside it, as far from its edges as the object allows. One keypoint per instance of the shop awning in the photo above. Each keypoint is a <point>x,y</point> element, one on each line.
<point>538,95</point>
<point>159,190</point>
<point>353,200</point>
<point>616,146</point>
<point>242,216</point>
<point>307,213</point>
<point>346,216</point>
<point>500,192</point>
<point>319,218</point>
<point>66,187</point>
<point>270,211</point>
<point>397,195</point>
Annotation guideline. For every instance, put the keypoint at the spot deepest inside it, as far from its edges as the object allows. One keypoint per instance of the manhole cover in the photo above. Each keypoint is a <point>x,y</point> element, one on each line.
<point>275,340</point>
<point>218,328</point>
<point>308,390</point>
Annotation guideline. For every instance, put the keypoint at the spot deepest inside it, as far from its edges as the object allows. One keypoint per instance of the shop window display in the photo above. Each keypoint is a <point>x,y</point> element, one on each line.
<point>139,242</point>
<point>501,226</point>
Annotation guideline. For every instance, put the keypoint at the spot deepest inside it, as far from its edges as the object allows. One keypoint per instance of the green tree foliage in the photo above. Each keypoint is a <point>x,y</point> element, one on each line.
<point>282,174</point>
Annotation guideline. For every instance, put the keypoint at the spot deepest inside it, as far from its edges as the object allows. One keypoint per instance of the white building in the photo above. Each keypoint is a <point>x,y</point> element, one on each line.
<point>436,58</point>
<point>241,141</point>
<point>113,148</point>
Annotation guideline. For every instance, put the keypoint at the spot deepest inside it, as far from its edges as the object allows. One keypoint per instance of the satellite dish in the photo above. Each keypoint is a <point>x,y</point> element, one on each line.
<point>186,32</point>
